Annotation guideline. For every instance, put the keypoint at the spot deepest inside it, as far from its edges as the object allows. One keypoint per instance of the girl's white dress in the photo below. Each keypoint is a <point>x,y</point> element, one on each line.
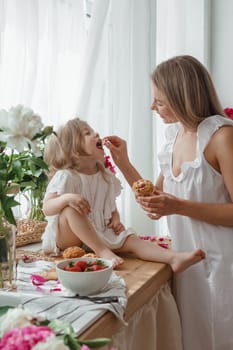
<point>204,292</point>
<point>101,195</point>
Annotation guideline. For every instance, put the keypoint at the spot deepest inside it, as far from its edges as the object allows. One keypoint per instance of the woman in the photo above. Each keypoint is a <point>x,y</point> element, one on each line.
<point>195,192</point>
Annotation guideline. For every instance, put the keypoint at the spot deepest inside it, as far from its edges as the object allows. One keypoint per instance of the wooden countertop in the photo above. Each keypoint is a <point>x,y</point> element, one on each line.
<point>142,279</point>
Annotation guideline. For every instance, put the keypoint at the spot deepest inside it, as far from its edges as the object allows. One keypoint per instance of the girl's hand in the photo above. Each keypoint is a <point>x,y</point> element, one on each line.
<point>115,223</point>
<point>159,204</point>
<point>79,203</point>
<point>116,226</point>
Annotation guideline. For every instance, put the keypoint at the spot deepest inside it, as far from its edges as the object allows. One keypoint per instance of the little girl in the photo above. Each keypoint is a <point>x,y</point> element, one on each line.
<point>80,202</point>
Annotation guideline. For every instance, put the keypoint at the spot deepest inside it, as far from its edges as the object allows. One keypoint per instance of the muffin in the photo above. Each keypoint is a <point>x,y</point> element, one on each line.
<point>143,187</point>
<point>73,252</point>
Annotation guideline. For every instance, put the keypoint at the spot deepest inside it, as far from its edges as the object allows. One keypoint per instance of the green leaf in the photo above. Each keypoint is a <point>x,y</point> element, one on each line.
<point>61,327</point>
<point>10,216</point>
<point>8,202</point>
<point>95,343</point>
<point>71,342</point>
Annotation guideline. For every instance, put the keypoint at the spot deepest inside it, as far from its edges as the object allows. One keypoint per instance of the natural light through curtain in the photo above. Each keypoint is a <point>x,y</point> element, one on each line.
<point>116,92</point>
<point>49,63</point>
<point>42,47</point>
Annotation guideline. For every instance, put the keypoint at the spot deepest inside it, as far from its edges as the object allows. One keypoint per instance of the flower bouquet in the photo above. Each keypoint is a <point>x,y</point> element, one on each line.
<point>22,168</point>
<point>20,330</point>
<point>22,138</point>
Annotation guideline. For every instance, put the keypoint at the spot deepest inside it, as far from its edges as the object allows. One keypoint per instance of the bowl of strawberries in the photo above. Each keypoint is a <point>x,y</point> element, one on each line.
<point>85,275</point>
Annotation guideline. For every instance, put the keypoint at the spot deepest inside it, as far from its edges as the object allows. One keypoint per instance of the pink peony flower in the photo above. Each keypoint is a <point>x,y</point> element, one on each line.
<point>229,112</point>
<point>25,338</point>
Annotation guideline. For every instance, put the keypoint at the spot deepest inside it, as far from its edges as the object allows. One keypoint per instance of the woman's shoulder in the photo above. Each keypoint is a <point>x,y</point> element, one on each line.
<point>223,134</point>
<point>214,122</point>
<point>214,129</point>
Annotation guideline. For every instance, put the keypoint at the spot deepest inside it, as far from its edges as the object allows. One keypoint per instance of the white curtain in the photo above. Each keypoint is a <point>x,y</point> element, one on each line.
<point>115,96</point>
<point>48,62</point>
<point>41,53</point>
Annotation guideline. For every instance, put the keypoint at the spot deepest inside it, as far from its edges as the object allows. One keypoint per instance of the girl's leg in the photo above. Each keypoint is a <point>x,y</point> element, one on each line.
<point>75,229</point>
<point>149,251</point>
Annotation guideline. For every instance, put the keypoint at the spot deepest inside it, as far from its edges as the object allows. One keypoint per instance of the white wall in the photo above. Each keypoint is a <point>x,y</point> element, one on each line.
<point>221,53</point>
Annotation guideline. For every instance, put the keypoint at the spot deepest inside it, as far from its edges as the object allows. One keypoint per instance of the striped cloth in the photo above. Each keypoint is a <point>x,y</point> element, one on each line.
<point>49,302</point>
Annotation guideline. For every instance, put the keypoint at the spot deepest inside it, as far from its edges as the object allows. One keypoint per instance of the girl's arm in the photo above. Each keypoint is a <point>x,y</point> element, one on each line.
<point>55,203</point>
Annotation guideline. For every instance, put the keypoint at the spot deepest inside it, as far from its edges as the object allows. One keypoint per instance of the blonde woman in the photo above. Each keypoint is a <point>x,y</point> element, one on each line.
<point>195,192</point>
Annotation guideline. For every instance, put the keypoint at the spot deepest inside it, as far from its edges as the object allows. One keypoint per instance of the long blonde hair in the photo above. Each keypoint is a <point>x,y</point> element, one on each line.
<point>188,89</point>
<point>65,147</point>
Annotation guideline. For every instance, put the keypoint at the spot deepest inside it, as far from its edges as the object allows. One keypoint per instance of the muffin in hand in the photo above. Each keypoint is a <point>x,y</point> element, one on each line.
<point>143,187</point>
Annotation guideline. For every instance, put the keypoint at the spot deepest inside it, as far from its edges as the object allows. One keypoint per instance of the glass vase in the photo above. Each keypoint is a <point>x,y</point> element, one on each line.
<point>7,256</point>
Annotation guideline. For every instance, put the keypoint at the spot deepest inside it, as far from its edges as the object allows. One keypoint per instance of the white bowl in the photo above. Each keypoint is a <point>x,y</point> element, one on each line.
<point>84,283</point>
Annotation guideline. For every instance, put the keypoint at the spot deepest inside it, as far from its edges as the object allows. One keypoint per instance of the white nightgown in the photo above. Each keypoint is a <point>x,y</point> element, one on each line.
<point>101,196</point>
<point>204,292</point>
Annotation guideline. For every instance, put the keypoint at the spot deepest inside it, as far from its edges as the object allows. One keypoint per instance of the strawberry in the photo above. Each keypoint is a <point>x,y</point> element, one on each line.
<point>96,267</point>
<point>82,264</point>
<point>75,268</point>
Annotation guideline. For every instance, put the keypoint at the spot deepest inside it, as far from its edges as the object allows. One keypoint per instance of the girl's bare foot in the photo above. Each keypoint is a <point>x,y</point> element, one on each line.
<point>182,261</point>
<point>108,254</point>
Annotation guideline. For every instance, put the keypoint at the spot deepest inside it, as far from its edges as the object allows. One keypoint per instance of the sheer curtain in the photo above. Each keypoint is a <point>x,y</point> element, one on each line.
<point>48,62</point>
<point>41,53</point>
<point>115,78</point>
<point>182,27</point>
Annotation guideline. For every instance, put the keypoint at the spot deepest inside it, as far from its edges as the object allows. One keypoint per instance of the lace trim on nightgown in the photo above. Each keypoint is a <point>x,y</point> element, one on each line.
<point>166,153</point>
<point>208,127</point>
<point>205,130</point>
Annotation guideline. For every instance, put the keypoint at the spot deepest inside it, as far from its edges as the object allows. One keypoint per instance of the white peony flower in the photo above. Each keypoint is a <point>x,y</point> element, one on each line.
<point>19,125</point>
<point>14,318</point>
<point>52,343</point>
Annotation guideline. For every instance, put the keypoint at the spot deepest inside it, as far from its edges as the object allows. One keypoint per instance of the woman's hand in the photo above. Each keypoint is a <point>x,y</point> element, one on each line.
<point>159,204</point>
<point>119,153</point>
<point>117,147</point>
